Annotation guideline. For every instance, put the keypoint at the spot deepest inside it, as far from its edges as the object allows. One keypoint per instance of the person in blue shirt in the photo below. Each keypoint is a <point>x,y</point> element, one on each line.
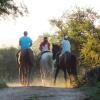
<point>25,43</point>
<point>65,46</point>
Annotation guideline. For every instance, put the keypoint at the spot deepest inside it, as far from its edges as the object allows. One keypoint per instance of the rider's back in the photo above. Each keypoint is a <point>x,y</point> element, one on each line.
<point>25,42</point>
<point>66,47</point>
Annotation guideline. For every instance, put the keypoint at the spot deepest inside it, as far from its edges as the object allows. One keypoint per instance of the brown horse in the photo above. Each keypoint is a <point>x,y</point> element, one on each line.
<point>67,62</point>
<point>24,64</point>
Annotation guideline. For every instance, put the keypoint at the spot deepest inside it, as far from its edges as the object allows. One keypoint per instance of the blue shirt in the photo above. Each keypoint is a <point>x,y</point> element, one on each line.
<point>25,42</point>
<point>66,46</point>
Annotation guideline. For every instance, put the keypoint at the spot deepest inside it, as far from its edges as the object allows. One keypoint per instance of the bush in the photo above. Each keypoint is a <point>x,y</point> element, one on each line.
<point>91,76</point>
<point>8,65</point>
<point>3,84</point>
<point>92,92</point>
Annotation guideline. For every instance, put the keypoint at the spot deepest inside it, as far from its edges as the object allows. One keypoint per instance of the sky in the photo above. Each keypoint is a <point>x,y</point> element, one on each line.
<point>37,21</point>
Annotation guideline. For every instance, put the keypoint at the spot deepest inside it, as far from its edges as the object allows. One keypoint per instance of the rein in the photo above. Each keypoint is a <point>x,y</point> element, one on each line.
<point>44,52</point>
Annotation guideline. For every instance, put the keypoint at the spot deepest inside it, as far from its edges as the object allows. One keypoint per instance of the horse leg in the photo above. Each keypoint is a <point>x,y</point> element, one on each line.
<point>28,75</point>
<point>52,71</point>
<point>69,76</point>
<point>56,74</point>
<point>67,81</point>
<point>73,79</point>
<point>43,79</point>
<point>73,76</point>
<point>21,75</point>
<point>42,76</point>
<point>65,74</point>
<point>24,75</point>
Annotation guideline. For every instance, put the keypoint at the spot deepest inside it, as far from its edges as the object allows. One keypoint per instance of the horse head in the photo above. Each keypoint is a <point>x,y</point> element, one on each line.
<point>55,49</point>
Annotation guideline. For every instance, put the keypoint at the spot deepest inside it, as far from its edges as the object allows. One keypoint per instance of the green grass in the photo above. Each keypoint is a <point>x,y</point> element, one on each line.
<point>93,92</point>
<point>2,84</point>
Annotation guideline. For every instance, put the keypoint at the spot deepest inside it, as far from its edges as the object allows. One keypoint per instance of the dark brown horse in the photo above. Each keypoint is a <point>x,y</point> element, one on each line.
<point>24,64</point>
<point>67,63</point>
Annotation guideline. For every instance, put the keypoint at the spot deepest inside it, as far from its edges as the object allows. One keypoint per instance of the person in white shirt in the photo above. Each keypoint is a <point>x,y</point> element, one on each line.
<point>44,46</point>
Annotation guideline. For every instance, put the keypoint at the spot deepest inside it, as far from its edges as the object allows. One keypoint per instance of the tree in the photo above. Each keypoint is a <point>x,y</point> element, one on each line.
<point>90,50</point>
<point>84,36</point>
<point>10,7</point>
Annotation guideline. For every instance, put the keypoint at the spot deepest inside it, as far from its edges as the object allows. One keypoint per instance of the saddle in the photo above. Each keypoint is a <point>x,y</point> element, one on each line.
<point>64,57</point>
<point>42,54</point>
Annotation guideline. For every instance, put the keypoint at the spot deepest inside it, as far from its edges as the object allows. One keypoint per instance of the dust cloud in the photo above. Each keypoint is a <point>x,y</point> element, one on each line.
<point>37,82</point>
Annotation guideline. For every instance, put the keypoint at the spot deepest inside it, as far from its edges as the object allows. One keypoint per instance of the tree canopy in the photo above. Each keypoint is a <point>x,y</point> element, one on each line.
<point>10,7</point>
<point>78,24</point>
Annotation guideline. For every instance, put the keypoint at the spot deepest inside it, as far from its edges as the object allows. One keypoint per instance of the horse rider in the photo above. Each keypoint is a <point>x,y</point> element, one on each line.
<point>65,46</point>
<point>44,46</point>
<point>25,43</point>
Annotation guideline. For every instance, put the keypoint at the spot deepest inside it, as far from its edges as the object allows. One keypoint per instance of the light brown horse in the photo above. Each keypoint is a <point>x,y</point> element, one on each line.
<point>25,64</point>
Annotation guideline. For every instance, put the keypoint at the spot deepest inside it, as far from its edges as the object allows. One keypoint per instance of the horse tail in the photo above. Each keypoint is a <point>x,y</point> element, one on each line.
<point>27,57</point>
<point>67,57</point>
<point>74,59</point>
<point>49,60</point>
<point>74,64</point>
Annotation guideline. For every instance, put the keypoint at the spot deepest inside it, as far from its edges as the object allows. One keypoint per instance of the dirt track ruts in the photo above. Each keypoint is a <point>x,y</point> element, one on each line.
<point>42,93</point>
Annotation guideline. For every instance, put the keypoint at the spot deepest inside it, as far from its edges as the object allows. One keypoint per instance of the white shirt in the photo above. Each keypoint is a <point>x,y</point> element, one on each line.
<point>45,48</point>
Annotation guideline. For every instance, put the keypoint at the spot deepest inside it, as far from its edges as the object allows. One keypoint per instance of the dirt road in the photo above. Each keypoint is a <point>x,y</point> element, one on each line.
<point>40,93</point>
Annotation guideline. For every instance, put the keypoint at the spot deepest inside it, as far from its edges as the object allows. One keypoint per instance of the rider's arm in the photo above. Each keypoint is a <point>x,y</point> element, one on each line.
<point>30,42</point>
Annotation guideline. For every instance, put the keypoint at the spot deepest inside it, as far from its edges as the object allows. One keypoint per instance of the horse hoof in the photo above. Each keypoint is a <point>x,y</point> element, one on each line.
<point>54,83</point>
